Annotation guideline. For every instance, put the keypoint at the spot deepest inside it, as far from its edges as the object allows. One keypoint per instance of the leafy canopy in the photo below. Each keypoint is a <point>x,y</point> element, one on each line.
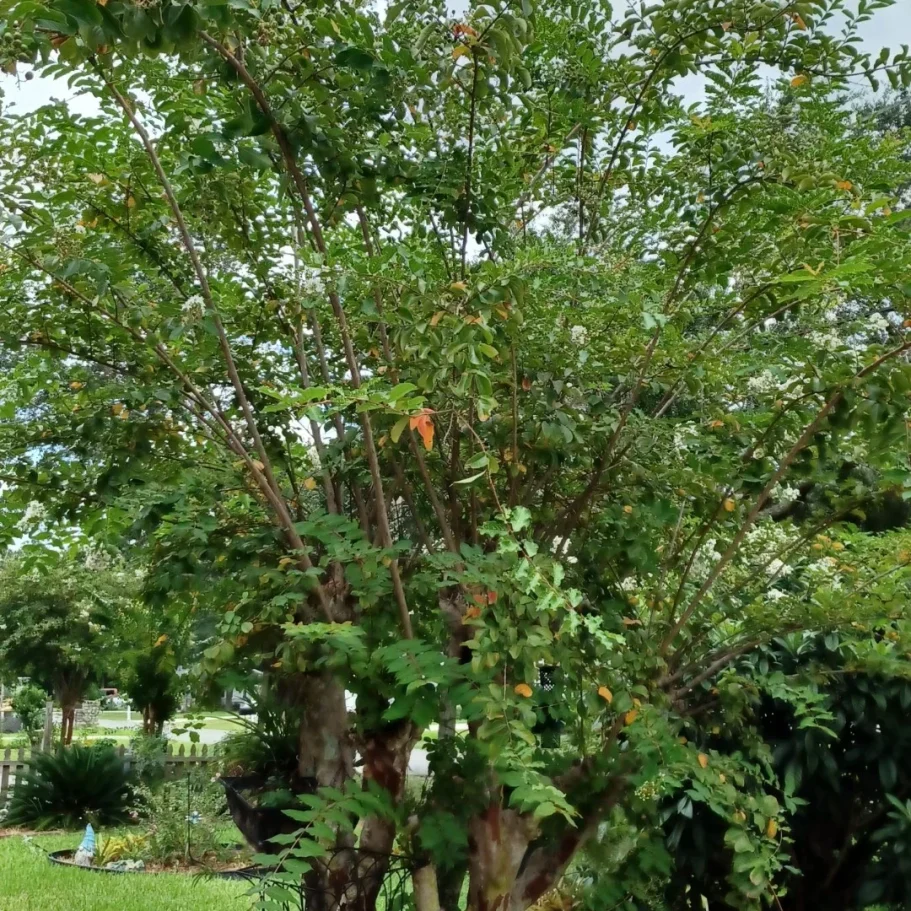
<point>438,352</point>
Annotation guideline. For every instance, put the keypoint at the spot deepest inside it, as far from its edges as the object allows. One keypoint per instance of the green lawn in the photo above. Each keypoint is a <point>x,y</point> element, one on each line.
<point>28,882</point>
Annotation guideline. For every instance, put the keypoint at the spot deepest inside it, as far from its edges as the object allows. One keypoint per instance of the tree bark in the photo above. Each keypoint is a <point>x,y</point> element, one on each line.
<point>497,841</point>
<point>426,891</point>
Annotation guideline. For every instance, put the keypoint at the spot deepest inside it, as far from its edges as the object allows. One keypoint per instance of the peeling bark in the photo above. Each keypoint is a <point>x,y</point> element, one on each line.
<point>497,841</point>
<point>426,891</point>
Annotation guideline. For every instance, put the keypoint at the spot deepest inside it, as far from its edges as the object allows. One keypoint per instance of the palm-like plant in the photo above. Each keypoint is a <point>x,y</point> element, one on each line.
<point>68,788</point>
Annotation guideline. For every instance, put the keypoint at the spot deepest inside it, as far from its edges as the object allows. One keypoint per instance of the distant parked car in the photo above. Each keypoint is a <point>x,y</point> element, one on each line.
<point>243,706</point>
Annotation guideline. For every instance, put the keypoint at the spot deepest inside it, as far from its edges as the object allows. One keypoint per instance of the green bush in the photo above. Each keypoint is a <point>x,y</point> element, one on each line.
<point>149,753</point>
<point>71,787</point>
<point>267,747</point>
<point>185,820</point>
<point>28,703</point>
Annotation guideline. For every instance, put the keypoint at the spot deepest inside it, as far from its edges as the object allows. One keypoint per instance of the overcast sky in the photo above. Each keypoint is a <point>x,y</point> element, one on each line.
<point>888,28</point>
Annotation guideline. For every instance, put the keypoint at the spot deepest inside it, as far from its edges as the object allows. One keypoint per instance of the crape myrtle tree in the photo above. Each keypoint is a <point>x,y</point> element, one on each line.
<point>473,371</point>
<point>58,611</point>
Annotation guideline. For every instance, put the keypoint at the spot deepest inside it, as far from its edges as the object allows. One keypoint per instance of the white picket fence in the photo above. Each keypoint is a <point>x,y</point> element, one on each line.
<point>15,762</point>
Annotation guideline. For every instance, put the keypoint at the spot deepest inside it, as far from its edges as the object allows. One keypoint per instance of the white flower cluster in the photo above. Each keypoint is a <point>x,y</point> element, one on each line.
<point>828,340</point>
<point>765,539</point>
<point>825,572</point>
<point>579,335</point>
<point>785,493</point>
<point>764,382</point>
<point>312,281</point>
<point>34,514</point>
<point>878,323</point>
<point>704,561</point>
<point>768,382</point>
<point>684,435</point>
<point>193,307</point>
<point>96,559</point>
<point>777,568</point>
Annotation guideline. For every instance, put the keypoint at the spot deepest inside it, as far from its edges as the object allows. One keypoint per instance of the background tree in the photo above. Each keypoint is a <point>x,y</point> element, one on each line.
<point>440,352</point>
<point>57,614</point>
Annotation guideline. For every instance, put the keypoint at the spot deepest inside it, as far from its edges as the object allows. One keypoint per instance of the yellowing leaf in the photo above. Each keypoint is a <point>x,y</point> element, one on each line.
<point>96,178</point>
<point>131,202</point>
<point>117,408</point>
<point>772,828</point>
<point>605,694</point>
<point>703,760</point>
<point>628,509</point>
<point>258,465</point>
<point>799,80</point>
<point>844,185</point>
<point>458,286</point>
<point>460,51</point>
<point>523,689</point>
<point>285,561</point>
<point>423,424</point>
<point>729,505</point>
<point>799,24</point>
<point>630,716</point>
<point>437,317</point>
<point>309,484</point>
<point>160,641</point>
<point>76,385</point>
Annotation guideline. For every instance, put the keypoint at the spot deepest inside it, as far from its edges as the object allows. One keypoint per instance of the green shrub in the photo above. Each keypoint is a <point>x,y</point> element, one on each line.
<point>149,753</point>
<point>28,703</point>
<point>267,747</point>
<point>66,789</point>
<point>185,820</point>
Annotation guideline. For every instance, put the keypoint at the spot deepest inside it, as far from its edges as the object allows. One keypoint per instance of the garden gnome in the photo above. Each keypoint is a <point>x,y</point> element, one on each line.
<point>85,853</point>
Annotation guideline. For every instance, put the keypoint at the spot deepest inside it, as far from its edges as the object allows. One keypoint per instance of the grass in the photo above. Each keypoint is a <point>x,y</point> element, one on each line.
<point>28,882</point>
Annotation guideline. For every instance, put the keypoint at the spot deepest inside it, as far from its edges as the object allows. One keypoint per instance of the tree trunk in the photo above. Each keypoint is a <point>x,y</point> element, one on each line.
<point>426,891</point>
<point>497,842</point>
<point>67,721</point>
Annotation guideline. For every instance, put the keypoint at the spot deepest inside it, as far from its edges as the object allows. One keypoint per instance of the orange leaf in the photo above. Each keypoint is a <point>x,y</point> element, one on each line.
<point>423,424</point>
<point>526,383</point>
<point>160,641</point>
<point>491,597</point>
<point>798,22</point>
<point>605,694</point>
<point>523,689</point>
<point>703,760</point>
<point>437,317</point>
<point>844,185</point>
<point>472,613</point>
<point>729,505</point>
<point>630,716</point>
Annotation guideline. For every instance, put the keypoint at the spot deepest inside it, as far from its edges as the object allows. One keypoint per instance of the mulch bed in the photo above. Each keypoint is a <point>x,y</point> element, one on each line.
<point>234,869</point>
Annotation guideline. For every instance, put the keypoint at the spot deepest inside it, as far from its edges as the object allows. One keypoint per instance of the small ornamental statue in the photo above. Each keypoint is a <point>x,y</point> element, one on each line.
<point>85,853</point>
